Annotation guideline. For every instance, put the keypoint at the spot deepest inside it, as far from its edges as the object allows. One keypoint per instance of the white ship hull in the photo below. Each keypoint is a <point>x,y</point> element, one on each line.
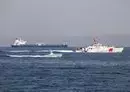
<point>96,50</point>
<point>107,50</point>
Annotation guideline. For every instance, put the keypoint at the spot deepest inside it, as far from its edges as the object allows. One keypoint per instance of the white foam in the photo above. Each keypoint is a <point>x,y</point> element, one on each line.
<point>25,55</point>
<point>54,55</point>
<point>66,51</point>
<point>19,51</point>
<point>42,51</point>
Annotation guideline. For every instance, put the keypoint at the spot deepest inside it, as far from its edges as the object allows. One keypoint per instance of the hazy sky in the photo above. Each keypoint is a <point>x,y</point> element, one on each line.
<point>57,20</point>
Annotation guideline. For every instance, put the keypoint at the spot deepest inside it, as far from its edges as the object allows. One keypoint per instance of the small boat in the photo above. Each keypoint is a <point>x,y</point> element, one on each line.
<point>99,48</point>
<point>53,54</point>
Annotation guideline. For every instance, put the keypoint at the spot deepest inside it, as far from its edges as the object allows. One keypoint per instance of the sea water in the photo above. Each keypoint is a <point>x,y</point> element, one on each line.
<point>74,72</point>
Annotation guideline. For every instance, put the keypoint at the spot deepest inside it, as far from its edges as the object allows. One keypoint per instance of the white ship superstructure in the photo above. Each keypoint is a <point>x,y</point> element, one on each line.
<point>19,42</point>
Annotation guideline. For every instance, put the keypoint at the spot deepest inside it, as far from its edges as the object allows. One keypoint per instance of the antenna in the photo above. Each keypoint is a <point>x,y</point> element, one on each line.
<point>95,41</point>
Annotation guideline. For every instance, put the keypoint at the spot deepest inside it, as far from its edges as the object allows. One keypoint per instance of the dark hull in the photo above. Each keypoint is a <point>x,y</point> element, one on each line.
<point>46,46</point>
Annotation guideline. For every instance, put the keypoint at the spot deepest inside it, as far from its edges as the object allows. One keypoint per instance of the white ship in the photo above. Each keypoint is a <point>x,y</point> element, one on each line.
<point>21,43</point>
<point>99,48</point>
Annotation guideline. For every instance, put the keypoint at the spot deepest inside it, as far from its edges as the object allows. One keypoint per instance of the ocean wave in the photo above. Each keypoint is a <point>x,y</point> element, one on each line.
<point>35,56</point>
<point>17,51</point>
<point>55,51</point>
<point>25,55</point>
<point>43,51</point>
<point>66,51</point>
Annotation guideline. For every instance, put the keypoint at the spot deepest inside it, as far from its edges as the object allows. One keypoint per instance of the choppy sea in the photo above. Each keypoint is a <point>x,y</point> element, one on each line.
<point>27,70</point>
